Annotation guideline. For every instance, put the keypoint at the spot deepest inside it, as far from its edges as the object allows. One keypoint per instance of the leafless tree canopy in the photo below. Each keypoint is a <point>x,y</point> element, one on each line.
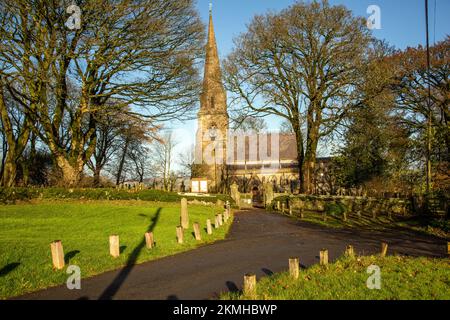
<point>142,54</point>
<point>302,64</point>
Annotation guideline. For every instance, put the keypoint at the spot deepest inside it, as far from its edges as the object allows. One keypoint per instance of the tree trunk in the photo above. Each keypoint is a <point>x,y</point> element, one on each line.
<point>312,139</point>
<point>97,171</point>
<point>15,143</point>
<point>9,171</point>
<point>72,173</point>
<point>122,161</point>
<point>300,155</point>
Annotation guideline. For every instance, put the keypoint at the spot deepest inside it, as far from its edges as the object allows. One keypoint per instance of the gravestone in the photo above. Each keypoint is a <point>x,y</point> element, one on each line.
<point>268,192</point>
<point>235,195</point>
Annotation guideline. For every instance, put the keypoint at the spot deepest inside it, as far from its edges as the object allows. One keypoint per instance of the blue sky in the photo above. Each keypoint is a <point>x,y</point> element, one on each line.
<point>402,25</point>
<point>402,21</point>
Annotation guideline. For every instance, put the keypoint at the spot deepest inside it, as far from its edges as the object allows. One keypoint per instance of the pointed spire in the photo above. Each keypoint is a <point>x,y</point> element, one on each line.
<point>211,46</point>
<point>213,95</point>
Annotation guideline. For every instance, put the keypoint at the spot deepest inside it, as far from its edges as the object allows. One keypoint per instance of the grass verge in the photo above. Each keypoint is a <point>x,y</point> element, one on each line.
<point>402,278</point>
<point>26,231</point>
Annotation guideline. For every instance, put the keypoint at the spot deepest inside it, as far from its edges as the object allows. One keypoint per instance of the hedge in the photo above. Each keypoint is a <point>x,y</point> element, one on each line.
<point>11,195</point>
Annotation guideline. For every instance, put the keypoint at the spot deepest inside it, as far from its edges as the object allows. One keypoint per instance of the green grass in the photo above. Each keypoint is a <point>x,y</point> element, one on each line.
<point>401,278</point>
<point>26,231</point>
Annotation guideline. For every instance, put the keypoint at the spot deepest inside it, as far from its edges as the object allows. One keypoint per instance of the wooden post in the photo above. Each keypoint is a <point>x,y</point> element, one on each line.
<point>184,214</point>
<point>197,234</point>
<point>250,286</point>
<point>344,216</point>
<point>219,216</point>
<point>349,251</point>
<point>208,226</point>
<point>323,257</point>
<point>149,240</point>
<point>324,216</point>
<point>278,205</point>
<point>225,216</point>
<point>294,267</point>
<point>57,254</point>
<point>114,249</point>
<point>180,234</point>
<point>283,207</point>
<point>448,248</point>
<point>302,214</point>
<point>384,247</point>
<point>290,210</point>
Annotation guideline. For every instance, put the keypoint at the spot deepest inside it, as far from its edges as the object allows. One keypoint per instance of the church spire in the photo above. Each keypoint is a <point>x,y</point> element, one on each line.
<point>212,115</point>
<point>213,95</point>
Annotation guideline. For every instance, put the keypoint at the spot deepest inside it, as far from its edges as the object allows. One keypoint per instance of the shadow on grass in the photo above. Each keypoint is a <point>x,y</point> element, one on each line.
<point>402,240</point>
<point>115,285</point>
<point>232,287</point>
<point>267,271</point>
<point>8,268</point>
<point>70,255</point>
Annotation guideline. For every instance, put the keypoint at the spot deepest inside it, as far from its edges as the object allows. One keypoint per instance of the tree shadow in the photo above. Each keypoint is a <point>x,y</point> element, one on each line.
<point>70,255</point>
<point>172,297</point>
<point>122,249</point>
<point>267,271</point>
<point>115,285</point>
<point>232,287</point>
<point>400,240</point>
<point>8,268</point>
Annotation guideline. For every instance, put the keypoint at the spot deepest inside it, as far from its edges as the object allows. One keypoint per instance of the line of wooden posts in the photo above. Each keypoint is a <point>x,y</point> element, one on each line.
<point>249,287</point>
<point>57,251</point>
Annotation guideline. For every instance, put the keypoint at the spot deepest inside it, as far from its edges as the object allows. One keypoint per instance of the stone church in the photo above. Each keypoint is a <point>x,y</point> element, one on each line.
<point>212,173</point>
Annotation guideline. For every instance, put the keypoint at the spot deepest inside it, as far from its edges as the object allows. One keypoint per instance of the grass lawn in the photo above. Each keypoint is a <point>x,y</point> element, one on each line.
<point>401,278</point>
<point>26,231</point>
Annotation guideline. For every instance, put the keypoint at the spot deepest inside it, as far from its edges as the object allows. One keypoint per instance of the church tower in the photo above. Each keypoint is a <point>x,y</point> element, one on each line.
<point>212,118</point>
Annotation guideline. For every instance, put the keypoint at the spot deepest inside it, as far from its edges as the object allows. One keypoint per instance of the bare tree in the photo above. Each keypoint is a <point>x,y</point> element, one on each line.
<point>303,65</point>
<point>249,123</point>
<point>134,134</point>
<point>429,122</point>
<point>142,53</point>
<point>16,129</point>
<point>139,157</point>
<point>162,158</point>
<point>186,161</point>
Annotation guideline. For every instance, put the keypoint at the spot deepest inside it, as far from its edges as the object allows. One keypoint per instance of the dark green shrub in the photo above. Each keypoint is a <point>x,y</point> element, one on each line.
<point>11,195</point>
<point>335,208</point>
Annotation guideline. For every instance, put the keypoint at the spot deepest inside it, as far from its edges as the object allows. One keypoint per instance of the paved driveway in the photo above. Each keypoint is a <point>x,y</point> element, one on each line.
<point>258,242</point>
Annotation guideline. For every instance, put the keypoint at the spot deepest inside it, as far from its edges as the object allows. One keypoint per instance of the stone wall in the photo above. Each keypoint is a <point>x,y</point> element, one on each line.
<point>347,204</point>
